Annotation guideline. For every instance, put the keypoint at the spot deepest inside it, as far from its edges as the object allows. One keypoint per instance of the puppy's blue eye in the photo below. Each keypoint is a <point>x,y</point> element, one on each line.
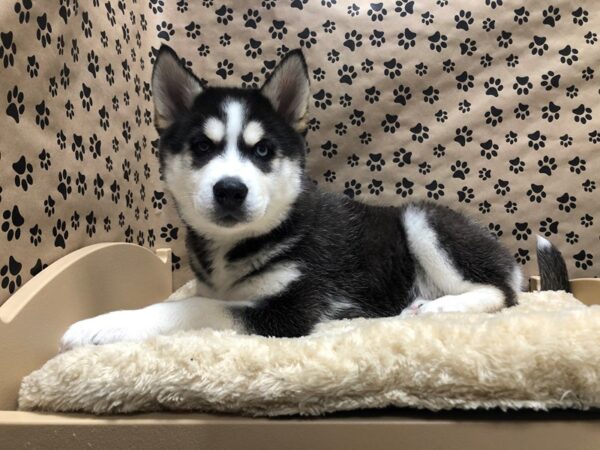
<point>263,148</point>
<point>202,144</point>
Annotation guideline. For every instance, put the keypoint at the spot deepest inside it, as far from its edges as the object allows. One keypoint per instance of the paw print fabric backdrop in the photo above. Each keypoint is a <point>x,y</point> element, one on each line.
<point>488,106</point>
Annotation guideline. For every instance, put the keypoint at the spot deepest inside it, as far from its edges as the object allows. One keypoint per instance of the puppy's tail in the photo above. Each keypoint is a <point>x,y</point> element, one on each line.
<point>552,267</point>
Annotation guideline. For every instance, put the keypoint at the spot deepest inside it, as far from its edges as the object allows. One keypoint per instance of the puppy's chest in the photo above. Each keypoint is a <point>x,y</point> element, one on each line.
<point>249,278</point>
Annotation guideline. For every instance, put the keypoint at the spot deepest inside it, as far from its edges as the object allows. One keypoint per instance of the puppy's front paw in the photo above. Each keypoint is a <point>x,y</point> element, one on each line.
<point>414,308</point>
<point>104,329</point>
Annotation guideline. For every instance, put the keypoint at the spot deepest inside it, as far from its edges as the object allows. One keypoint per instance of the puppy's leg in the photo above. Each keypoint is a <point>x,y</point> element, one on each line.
<point>161,318</point>
<point>481,299</point>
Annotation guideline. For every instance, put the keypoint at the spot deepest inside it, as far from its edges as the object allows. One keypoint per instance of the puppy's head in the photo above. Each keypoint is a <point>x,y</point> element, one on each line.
<point>232,158</point>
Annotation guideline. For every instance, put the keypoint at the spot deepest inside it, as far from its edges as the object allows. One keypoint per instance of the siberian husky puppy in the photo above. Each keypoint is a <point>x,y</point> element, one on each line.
<point>274,255</point>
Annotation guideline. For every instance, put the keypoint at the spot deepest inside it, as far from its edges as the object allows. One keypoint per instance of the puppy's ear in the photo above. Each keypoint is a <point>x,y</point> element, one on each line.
<point>288,90</point>
<point>174,88</point>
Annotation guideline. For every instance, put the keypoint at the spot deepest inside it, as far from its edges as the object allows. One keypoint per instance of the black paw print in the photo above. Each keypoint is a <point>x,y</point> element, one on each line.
<point>341,128</point>
<point>353,40</point>
<point>521,231</point>
<point>587,74</point>
<point>511,137</point>
<point>566,202</point>
<point>538,46</point>
<point>465,81</point>
<point>322,99</point>
<point>308,38</point>
<point>566,140</point>
<point>516,165</point>
<point>333,56</point>
<point>468,47</point>
<point>464,106</point>
<point>35,235</point>
<point>44,30</point>
<point>392,68</point>
<point>314,124</point>
<point>99,187</point>
<point>493,116</point>
<point>372,94</point>
<point>420,133</point>
<point>85,96</point>
<point>22,9</point>
<point>568,55</point>
<point>249,80</point>
<point>375,162</point>
<point>402,94</point>
<point>551,16</point>
<point>511,207</point>
<point>572,91</point>
<point>582,114</point>
<point>485,207</point>
<point>64,184</point>
<point>33,66</point>
<point>589,185</point>
<point>547,165</point>
<point>329,176</point>
<point>465,195</point>
<point>158,199</point>
<point>448,66</point>
<point>45,161</point>
<point>41,116</point>
<point>7,54</point>
<point>345,100</point>
<point>224,69</point>
<point>504,39</point>
<point>424,168</point>
<point>495,230</point>
<point>550,112</point>
<point>463,136</point>
<point>404,188</point>
<point>521,15</point>
<point>90,225</point>
<point>49,204</point>
<point>13,220</point>
<point>522,256</point>
<point>15,106</point>
<point>438,41</point>
<point>512,60</point>
<point>486,60</point>
<point>536,140</point>
<point>203,50</point>
<point>489,149</point>
<point>357,117</point>
<point>329,26</point>
<point>407,39</point>
<point>365,138</point>
<point>352,188</point>
<point>86,25</point>
<point>367,65</point>
<point>463,20</point>
<point>594,136</point>
<point>587,221</point>
<point>591,37</point>
<point>115,192</point>
<point>353,10</point>
<point>353,160</point>
<point>460,169</point>
<point>522,85</point>
<point>169,232</point>
<point>347,74</point>
<point>390,124</point>
<point>583,260</point>
<point>277,29</point>
<point>60,233</point>
<point>375,187</point>
<point>23,171</point>
<point>402,157</point>
<point>488,25</point>
<point>224,15</point>
<point>318,74</point>
<point>548,226</point>
<point>329,149</point>
<point>252,48</point>
<point>572,238</point>
<point>441,116</point>
<point>502,187</point>
<point>580,16</point>
<point>435,190</point>
<point>81,183</point>
<point>421,69</point>
<point>522,111</point>
<point>377,38</point>
<point>404,7</point>
<point>377,12</point>
<point>439,151</point>
<point>577,165</point>
<point>550,80</point>
<point>11,277</point>
<point>536,193</point>
<point>493,86</point>
<point>431,95</point>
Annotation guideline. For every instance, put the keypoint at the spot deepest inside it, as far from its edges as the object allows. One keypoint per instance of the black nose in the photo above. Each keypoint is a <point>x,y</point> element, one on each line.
<point>230,193</point>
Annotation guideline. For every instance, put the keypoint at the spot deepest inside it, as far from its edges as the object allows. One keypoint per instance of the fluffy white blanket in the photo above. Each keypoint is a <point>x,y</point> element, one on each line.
<point>542,354</point>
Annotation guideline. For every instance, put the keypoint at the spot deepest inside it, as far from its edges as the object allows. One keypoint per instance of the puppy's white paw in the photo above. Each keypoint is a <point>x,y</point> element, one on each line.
<point>443,305</point>
<point>414,308</point>
<point>104,329</point>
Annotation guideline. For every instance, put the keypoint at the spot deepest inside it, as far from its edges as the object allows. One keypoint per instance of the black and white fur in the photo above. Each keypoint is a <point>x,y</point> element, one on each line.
<point>274,255</point>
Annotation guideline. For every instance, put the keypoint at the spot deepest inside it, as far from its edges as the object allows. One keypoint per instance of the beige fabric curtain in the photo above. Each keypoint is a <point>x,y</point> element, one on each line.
<point>488,106</point>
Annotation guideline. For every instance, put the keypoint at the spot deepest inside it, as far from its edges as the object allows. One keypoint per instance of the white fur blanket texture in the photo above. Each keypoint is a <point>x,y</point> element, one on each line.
<point>542,354</point>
